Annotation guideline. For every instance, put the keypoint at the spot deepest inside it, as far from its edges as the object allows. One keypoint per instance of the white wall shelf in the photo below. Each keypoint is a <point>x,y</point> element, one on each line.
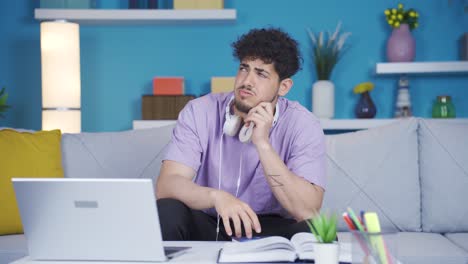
<point>136,16</point>
<point>354,124</point>
<point>327,124</point>
<point>143,124</point>
<point>422,67</point>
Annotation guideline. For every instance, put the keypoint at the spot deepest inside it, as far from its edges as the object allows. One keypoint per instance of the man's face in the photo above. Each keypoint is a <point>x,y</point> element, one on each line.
<point>255,82</point>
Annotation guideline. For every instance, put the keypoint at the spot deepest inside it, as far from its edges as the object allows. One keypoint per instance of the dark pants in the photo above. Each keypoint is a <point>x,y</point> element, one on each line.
<point>179,222</point>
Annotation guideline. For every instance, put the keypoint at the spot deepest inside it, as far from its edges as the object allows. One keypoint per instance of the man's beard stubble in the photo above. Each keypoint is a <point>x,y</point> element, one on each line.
<point>244,108</point>
<point>241,107</point>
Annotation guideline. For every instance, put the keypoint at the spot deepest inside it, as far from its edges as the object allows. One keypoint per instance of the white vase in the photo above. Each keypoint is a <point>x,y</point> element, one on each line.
<point>326,253</point>
<point>323,99</point>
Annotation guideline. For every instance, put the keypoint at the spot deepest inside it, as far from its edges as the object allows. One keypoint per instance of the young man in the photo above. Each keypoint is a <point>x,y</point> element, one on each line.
<point>264,187</point>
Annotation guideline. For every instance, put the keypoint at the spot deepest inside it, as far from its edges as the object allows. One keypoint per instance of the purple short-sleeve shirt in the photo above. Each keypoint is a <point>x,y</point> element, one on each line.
<point>297,137</point>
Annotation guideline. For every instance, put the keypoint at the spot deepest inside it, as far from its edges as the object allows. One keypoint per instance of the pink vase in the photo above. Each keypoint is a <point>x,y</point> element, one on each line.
<point>401,45</point>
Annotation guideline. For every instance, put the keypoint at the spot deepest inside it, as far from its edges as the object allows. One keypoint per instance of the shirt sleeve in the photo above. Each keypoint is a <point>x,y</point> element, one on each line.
<point>307,158</point>
<point>185,146</point>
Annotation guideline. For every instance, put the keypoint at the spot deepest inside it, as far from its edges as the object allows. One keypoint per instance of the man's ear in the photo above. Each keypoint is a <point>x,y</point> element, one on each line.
<point>285,86</point>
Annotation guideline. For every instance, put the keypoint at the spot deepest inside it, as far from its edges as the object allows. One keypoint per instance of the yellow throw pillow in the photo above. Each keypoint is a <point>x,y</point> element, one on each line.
<point>25,155</point>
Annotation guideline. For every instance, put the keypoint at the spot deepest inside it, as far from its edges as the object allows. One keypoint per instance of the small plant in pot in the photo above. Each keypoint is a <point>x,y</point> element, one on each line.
<point>324,228</point>
<point>327,50</point>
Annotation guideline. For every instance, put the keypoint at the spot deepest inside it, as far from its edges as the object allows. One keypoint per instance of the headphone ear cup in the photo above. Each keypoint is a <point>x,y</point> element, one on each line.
<point>246,133</point>
<point>231,125</point>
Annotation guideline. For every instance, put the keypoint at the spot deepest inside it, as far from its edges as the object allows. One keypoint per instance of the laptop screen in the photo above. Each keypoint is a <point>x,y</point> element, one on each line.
<point>90,219</point>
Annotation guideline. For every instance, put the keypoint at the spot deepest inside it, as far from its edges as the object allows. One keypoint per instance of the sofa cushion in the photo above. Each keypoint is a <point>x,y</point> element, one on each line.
<point>427,248</point>
<point>12,247</point>
<point>444,175</point>
<point>459,239</point>
<point>376,170</point>
<point>126,154</point>
<point>24,155</point>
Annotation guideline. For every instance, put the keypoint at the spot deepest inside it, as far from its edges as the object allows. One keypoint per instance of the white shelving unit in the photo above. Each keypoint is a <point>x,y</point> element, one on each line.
<point>407,68</point>
<point>142,124</point>
<point>422,67</point>
<point>327,124</point>
<point>135,16</point>
<point>354,124</point>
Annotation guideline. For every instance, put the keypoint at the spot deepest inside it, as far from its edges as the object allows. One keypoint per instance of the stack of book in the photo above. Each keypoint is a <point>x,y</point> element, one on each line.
<point>167,100</point>
<point>222,84</point>
<point>168,86</point>
<point>198,4</point>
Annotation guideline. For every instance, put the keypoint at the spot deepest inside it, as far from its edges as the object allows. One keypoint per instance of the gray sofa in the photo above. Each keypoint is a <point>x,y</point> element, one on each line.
<point>413,173</point>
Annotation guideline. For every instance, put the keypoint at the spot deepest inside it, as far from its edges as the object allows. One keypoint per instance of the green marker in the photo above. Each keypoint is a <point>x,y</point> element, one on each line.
<point>355,219</point>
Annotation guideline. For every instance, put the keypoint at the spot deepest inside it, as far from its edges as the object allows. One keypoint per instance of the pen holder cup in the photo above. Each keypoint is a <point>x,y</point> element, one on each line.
<point>374,248</point>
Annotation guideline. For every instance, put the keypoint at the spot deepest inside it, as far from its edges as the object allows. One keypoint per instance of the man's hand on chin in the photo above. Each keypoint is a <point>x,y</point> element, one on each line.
<point>262,117</point>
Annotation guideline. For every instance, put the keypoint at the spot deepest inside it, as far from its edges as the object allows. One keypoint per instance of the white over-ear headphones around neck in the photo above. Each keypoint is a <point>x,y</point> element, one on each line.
<point>233,122</point>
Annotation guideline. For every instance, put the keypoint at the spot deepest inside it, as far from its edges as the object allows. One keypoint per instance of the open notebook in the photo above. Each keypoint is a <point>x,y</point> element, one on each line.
<point>276,249</point>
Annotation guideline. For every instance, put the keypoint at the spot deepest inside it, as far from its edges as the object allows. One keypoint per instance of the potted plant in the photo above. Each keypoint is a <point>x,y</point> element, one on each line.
<point>401,44</point>
<point>3,99</point>
<point>324,229</point>
<point>327,50</point>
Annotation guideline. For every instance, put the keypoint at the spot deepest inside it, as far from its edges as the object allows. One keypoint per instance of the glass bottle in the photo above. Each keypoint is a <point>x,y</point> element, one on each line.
<point>403,103</point>
<point>443,107</point>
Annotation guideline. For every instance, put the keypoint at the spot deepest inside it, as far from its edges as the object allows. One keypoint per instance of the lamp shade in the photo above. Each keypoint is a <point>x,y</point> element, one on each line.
<point>61,81</point>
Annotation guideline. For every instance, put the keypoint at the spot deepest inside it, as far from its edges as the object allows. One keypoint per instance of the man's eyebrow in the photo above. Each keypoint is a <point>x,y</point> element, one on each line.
<point>245,65</point>
<point>262,70</point>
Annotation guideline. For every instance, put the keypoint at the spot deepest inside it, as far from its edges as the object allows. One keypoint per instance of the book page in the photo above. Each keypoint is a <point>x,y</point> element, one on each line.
<point>263,244</point>
<point>304,245</point>
<point>269,249</point>
<point>275,255</point>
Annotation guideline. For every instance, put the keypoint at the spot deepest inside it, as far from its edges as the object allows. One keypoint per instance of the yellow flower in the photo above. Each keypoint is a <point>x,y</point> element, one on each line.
<point>398,16</point>
<point>363,87</point>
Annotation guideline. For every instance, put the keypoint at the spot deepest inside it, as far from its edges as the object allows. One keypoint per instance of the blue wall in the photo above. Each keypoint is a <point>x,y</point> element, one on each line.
<point>118,62</point>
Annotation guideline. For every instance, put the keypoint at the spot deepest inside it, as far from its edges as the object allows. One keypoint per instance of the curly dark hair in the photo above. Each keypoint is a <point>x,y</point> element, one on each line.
<point>271,45</point>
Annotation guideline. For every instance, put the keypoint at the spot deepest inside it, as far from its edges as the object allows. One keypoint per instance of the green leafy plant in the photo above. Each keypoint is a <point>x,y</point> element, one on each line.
<point>327,50</point>
<point>395,17</point>
<point>3,99</point>
<point>323,227</point>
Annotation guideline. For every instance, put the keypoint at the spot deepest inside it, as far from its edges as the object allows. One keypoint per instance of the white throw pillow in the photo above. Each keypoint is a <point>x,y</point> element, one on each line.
<point>444,175</point>
<point>376,170</point>
<point>125,154</point>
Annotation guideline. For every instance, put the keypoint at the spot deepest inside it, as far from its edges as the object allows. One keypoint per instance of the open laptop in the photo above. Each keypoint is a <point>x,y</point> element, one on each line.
<point>90,219</point>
